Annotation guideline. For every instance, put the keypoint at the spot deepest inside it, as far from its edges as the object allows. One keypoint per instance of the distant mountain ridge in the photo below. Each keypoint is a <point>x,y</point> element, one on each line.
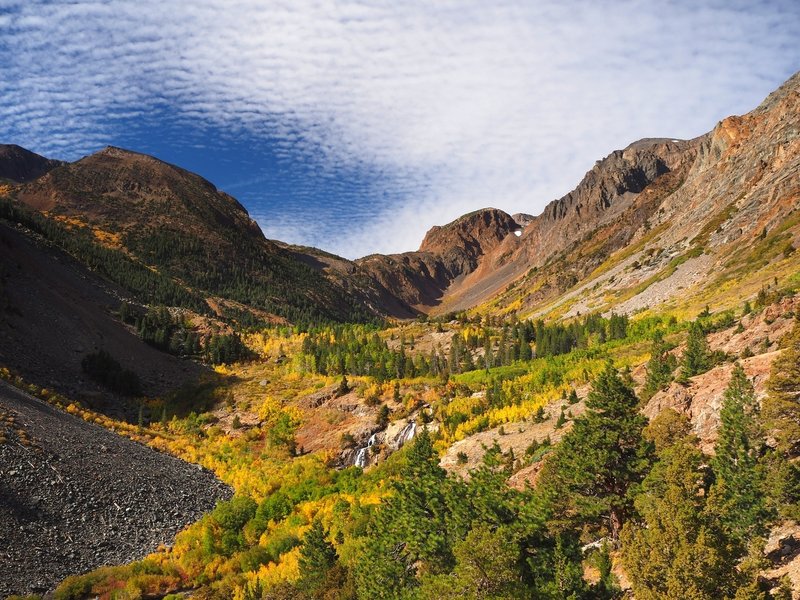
<point>646,205</point>
<point>179,224</point>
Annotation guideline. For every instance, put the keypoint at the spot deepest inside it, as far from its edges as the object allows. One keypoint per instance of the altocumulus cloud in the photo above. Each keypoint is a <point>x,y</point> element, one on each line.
<point>460,104</point>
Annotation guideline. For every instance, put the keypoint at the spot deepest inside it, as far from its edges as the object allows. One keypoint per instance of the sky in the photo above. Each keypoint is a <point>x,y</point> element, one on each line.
<point>355,126</point>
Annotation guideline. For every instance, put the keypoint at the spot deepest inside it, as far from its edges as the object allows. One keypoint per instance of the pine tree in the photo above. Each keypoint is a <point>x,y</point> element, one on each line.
<point>344,387</point>
<point>454,360</point>
<point>486,567</point>
<point>677,551</point>
<point>317,558</point>
<point>697,357</point>
<point>598,460</point>
<point>488,358</point>
<point>382,420</point>
<point>782,406</point>
<point>573,397</point>
<point>659,368</point>
<point>415,528</point>
<point>737,494</point>
<point>396,392</point>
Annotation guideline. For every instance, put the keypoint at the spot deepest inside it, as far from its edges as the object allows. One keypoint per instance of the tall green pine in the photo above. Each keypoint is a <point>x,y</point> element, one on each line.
<point>317,558</point>
<point>737,493</point>
<point>589,476</point>
<point>697,357</point>
<point>659,368</point>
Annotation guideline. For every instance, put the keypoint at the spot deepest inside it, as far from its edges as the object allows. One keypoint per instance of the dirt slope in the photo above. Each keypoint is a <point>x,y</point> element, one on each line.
<point>74,496</point>
<point>54,311</point>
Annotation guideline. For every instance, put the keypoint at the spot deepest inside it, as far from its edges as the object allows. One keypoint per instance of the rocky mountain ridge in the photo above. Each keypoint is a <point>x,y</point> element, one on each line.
<point>613,241</point>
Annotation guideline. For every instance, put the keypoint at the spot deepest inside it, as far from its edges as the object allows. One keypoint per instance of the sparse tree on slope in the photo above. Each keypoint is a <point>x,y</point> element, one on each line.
<point>782,406</point>
<point>659,368</point>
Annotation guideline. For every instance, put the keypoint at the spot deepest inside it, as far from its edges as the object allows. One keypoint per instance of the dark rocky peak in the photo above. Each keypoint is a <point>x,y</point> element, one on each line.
<point>120,189</point>
<point>20,165</point>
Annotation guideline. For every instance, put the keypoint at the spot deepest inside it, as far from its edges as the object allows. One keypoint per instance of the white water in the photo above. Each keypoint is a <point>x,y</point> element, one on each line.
<point>362,456</point>
<point>407,434</point>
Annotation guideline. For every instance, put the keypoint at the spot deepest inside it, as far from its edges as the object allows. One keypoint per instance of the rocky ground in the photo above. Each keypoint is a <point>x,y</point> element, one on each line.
<point>74,496</point>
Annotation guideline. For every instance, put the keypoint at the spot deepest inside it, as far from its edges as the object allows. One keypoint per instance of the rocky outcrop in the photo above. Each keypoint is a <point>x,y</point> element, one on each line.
<point>690,220</point>
<point>461,244</point>
<point>603,195</point>
<point>783,553</point>
<point>702,399</point>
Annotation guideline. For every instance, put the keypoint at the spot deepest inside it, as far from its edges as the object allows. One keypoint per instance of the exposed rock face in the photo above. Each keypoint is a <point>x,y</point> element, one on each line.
<point>20,165</point>
<point>576,232</point>
<point>462,243</point>
<point>603,194</point>
<point>466,262</point>
<point>783,552</point>
<point>702,399</point>
<point>749,165</point>
<point>447,254</point>
<point>693,217</point>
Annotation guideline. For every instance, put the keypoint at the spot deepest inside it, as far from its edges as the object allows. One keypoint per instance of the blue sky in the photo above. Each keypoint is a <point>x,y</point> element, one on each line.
<point>356,126</point>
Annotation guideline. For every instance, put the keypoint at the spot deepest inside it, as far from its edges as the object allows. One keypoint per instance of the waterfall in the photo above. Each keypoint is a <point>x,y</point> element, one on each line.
<point>362,455</point>
<point>407,434</point>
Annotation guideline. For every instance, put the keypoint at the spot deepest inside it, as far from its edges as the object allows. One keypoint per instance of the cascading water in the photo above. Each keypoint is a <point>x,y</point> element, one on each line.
<point>407,434</point>
<point>362,455</point>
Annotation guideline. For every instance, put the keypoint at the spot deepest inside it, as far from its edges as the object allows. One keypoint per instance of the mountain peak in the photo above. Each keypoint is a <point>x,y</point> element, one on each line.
<point>20,165</point>
<point>485,228</point>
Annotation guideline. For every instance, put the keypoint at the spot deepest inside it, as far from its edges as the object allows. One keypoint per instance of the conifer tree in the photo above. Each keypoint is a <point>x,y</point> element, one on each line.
<point>697,357</point>
<point>782,405</point>
<point>659,368</point>
<point>595,464</point>
<point>414,529</point>
<point>677,551</point>
<point>737,494</point>
<point>486,567</point>
<point>573,397</point>
<point>317,558</point>
<point>396,392</point>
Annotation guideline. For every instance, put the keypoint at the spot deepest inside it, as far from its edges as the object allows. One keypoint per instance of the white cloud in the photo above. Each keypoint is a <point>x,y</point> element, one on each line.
<point>464,104</point>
